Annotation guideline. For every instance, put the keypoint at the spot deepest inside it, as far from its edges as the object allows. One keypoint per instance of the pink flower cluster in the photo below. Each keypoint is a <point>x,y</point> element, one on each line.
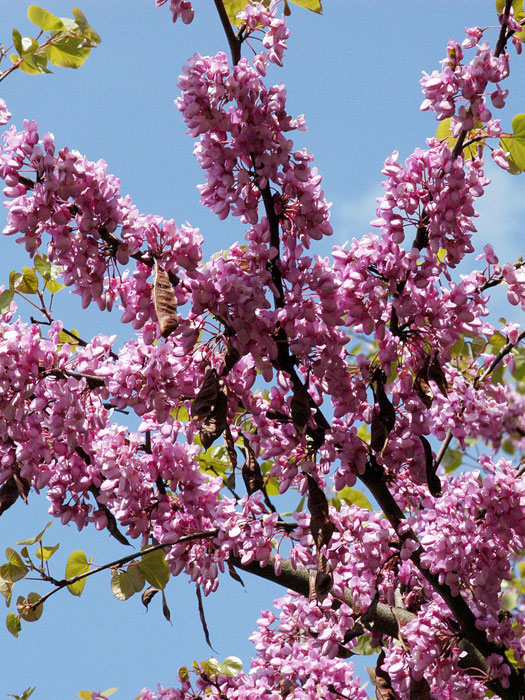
<point>270,310</point>
<point>179,8</point>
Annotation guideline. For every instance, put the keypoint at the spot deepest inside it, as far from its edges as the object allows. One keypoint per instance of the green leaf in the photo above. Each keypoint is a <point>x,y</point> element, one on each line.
<point>25,695</point>
<point>180,413</point>
<point>68,52</point>
<point>33,64</point>
<point>444,133</point>
<point>87,31</point>
<point>155,568</point>
<point>85,694</point>
<point>517,6</point>
<point>353,497</point>
<point>452,460</point>
<point>17,41</point>
<point>77,564</point>
<point>45,553</point>
<point>313,5</point>
<point>37,538</point>
<point>6,589</point>
<point>272,487</point>
<point>29,45</point>
<point>232,7</point>
<point>53,286</point>
<point>184,674</point>
<point>15,569</point>
<point>44,19</point>
<point>108,692</point>
<point>6,297</point>
<point>26,613</point>
<point>122,586</point>
<point>516,144</point>
<point>27,282</point>
<point>211,666</point>
<point>136,576</point>
<point>364,646</point>
<point>43,266</point>
<point>231,666</point>
<point>13,624</point>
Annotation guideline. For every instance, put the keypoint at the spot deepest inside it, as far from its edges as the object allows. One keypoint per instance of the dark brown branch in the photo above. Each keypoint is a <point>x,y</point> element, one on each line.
<point>382,618</point>
<point>234,41</point>
<point>374,480</point>
<point>503,35</point>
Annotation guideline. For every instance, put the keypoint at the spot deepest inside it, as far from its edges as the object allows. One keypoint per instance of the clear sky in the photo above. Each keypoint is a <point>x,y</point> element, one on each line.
<point>354,72</point>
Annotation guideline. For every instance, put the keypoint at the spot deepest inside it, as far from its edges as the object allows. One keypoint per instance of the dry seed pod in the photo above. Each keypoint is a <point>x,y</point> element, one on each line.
<point>164,301</point>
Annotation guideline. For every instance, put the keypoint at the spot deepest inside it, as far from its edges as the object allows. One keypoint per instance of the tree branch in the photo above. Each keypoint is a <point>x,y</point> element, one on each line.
<point>120,562</point>
<point>385,619</point>
<point>234,41</point>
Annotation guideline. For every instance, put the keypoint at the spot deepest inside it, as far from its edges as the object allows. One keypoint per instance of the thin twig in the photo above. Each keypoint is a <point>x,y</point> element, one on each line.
<point>121,562</point>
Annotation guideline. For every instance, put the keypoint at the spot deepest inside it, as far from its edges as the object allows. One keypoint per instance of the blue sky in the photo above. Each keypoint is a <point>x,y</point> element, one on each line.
<point>354,72</point>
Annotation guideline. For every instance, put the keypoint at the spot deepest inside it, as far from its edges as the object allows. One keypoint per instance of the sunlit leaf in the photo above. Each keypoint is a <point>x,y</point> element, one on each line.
<point>313,5</point>
<point>36,538</point>
<point>232,666</point>
<point>46,552</point>
<point>121,585</point>
<point>44,19</point>
<point>13,624</point>
<point>516,145</point>
<point>353,497</point>
<point>155,568</point>
<point>6,298</point>
<point>77,564</point>
<point>15,569</point>
<point>68,52</point>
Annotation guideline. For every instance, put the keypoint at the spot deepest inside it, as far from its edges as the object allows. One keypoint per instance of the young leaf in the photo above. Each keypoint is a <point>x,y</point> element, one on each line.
<point>232,666</point>
<point>121,585</point>
<point>44,19</point>
<point>13,624</point>
<point>164,301</point>
<point>68,52</point>
<point>516,145</point>
<point>313,5</point>
<point>232,7</point>
<point>25,609</point>
<point>6,589</point>
<point>136,576</point>
<point>15,569</point>
<point>46,553</point>
<point>6,298</point>
<point>155,568</point>
<point>25,695</point>
<point>76,565</point>
<point>37,538</point>
<point>27,282</point>
<point>353,497</point>
<point>17,41</point>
